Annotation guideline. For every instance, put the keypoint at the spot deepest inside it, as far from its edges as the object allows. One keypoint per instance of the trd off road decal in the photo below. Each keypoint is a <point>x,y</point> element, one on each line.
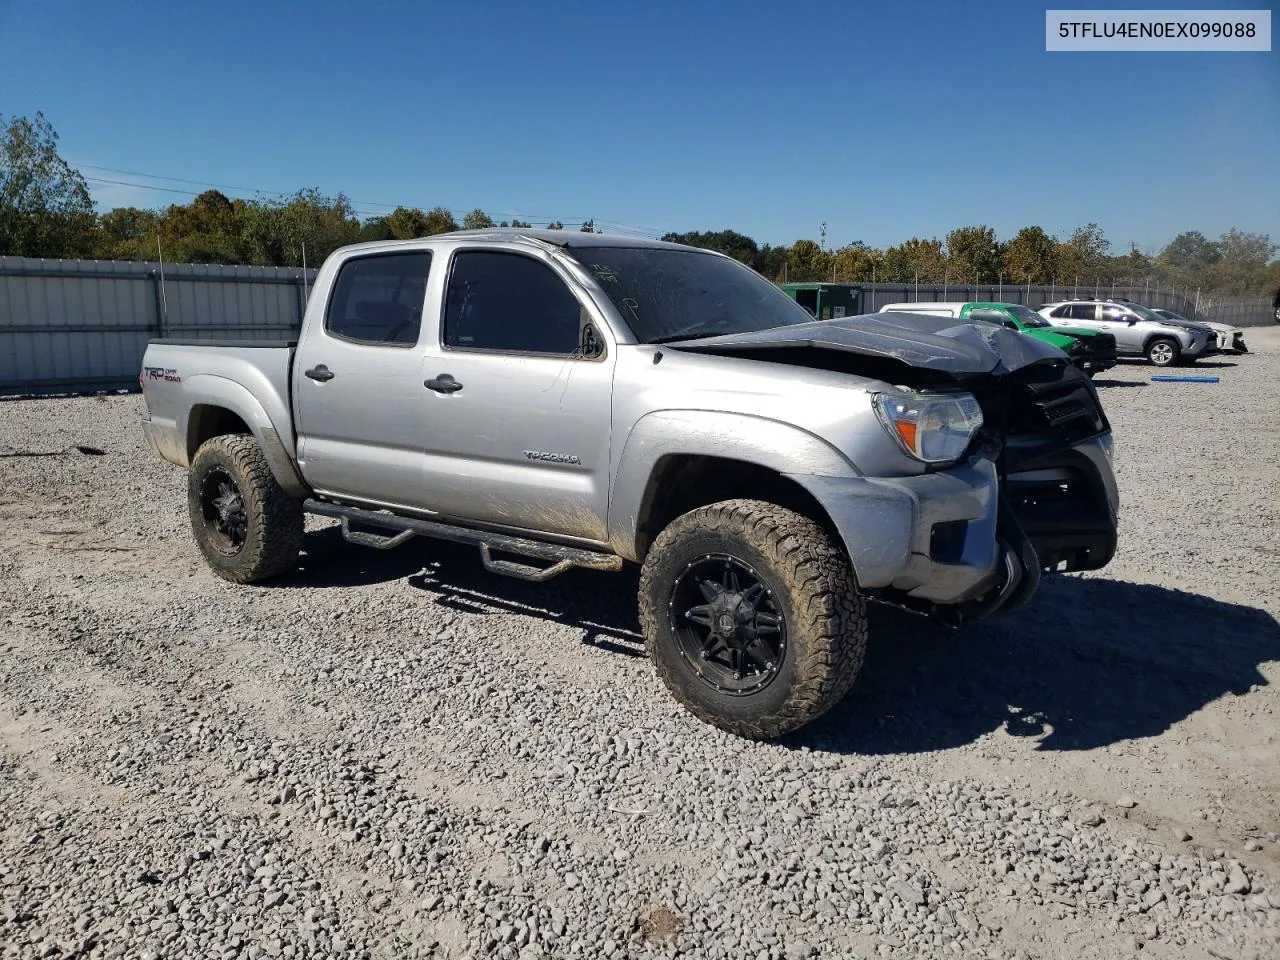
<point>161,373</point>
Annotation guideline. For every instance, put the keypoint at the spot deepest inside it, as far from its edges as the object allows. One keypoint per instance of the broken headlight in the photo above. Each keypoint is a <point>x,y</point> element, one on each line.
<point>933,427</point>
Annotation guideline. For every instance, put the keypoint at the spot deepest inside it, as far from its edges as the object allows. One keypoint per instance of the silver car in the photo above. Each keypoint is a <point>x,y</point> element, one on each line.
<point>1139,332</point>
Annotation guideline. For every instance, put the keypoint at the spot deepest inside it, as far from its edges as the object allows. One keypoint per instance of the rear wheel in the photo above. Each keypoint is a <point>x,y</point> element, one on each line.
<point>752,617</point>
<point>1163,352</point>
<point>246,526</point>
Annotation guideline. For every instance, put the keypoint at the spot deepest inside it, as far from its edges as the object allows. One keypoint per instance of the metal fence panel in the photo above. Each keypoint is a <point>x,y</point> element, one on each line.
<point>77,325</point>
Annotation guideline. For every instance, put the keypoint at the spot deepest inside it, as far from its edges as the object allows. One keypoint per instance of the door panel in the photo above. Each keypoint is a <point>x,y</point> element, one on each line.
<point>360,423</point>
<point>1113,320</point>
<point>524,440</point>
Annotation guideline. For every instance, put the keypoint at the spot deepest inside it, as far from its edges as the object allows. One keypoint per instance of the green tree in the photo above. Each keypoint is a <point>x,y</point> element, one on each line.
<point>1031,256</point>
<point>588,226</point>
<point>555,225</point>
<point>209,229</point>
<point>407,223</point>
<point>45,208</point>
<point>729,242</point>
<point>1084,254</point>
<point>522,224</point>
<point>1189,252</point>
<point>440,220</point>
<point>915,260</point>
<point>477,219</point>
<point>127,233</point>
<point>854,263</point>
<point>377,228</point>
<point>320,222</point>
<point>1242,266</point>
<point>770,262</point>
<point>807,262</point>
<point>973,255</point>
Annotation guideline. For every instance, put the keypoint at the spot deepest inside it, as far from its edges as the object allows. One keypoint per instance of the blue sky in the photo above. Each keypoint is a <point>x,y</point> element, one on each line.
<point>884,120</point>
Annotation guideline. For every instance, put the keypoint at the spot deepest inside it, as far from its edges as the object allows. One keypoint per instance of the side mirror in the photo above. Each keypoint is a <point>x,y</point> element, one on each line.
<point>589,342</point>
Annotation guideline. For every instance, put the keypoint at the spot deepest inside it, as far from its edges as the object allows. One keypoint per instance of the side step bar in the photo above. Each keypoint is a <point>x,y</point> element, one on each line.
<point>560,557</point>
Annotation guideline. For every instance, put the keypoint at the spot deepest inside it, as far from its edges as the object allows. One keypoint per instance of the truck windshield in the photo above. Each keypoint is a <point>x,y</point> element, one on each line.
<point>1028,316</point>
<point>666,295</point>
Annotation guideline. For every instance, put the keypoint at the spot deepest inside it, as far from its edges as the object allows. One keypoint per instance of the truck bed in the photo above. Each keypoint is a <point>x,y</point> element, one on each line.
<point>185,378</point>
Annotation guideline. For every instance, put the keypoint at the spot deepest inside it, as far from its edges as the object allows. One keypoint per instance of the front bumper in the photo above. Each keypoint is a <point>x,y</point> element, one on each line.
<point>1200,349</point>
<point>940,538</point>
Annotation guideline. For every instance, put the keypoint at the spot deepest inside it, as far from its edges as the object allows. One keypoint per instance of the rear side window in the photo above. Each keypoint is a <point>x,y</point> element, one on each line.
<point>1077,311</point>
<point>510,303</point>
<point>378,300</point>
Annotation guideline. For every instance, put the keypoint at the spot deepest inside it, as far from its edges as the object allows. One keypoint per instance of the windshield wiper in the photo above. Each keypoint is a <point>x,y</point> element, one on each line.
<point>673,337</point>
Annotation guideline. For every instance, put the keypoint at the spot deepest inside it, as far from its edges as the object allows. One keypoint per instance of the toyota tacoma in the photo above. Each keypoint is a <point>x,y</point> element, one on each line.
<point>567,400</point>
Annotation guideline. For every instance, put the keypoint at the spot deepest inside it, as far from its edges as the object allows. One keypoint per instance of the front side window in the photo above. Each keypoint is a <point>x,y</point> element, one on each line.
<point>1117,314</point>
<point>378,299</point>
<point>511,303</point>
<point>1027,316</point>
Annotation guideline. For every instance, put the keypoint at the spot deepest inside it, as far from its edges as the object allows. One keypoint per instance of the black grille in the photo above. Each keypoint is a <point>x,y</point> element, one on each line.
<point>1061,411</point>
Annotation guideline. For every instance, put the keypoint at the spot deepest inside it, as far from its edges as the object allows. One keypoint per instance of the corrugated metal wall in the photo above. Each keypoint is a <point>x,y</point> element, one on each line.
<point>77,325</point>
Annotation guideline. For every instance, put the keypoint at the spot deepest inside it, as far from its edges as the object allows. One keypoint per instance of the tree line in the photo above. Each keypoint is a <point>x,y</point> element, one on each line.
<point>1237,263</point>
<point>46,211</point>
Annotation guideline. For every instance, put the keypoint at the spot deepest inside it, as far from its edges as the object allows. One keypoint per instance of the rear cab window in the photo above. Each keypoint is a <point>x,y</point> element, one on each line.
<point>991,315</point>
<point>378,299</point>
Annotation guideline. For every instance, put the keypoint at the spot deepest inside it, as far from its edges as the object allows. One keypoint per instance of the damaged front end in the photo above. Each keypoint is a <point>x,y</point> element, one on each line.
<point>1036,477</point>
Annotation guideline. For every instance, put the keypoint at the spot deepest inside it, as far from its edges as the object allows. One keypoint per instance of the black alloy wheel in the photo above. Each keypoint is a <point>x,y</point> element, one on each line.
<point>728,624</point>
<point>222,506</point>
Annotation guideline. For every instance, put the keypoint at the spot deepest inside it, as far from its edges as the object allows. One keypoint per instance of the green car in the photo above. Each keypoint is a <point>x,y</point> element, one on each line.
<point>1091,350</point>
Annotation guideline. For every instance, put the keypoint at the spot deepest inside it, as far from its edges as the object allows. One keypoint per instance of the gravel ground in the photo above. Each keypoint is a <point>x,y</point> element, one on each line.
<point>396,755</point>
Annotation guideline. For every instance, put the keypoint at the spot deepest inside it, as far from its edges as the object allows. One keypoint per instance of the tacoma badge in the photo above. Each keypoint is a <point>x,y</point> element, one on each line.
<point>551,457</point>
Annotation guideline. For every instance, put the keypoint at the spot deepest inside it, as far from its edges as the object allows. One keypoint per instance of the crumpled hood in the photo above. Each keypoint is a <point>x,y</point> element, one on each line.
<point>917,339</point>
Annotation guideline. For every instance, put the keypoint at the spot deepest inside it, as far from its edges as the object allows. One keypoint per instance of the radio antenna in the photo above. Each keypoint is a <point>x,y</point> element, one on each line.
<point>164,301</point>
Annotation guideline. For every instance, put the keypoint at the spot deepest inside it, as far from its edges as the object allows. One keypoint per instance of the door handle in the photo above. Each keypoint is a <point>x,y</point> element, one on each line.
<point>320,372</point>
<point>443,384</point>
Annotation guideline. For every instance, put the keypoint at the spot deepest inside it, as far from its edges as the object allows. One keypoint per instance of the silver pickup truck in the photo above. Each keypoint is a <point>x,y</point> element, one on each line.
<point>566,399</point>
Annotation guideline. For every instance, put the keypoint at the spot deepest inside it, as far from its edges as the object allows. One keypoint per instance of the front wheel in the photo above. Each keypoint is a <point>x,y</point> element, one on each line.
<point>752,617</point>
<point>245,524</point>
<point>1163,352</point>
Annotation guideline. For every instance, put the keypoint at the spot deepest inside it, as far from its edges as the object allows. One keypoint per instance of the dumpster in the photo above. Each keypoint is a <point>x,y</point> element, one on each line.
<point>826,301</point>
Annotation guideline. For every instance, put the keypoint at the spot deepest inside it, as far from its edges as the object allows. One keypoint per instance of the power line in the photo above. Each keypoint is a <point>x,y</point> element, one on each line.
<point>540,218</point>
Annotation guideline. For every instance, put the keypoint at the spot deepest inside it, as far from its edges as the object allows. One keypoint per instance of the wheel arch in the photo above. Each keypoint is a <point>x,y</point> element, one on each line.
<point>220,407</point>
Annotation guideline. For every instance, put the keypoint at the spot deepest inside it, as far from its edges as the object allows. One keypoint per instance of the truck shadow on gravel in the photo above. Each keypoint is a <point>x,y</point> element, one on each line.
<point>1089,662</point>
<point>601,605</point>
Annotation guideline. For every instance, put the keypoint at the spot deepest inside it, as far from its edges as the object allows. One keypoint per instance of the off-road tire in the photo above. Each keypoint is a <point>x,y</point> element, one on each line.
<point>274,519</point>
<point>812,582</point>
<point>1156,357</point>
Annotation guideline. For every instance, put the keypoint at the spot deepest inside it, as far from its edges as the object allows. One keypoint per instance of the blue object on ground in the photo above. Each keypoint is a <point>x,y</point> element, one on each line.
<point>1166,379</point>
